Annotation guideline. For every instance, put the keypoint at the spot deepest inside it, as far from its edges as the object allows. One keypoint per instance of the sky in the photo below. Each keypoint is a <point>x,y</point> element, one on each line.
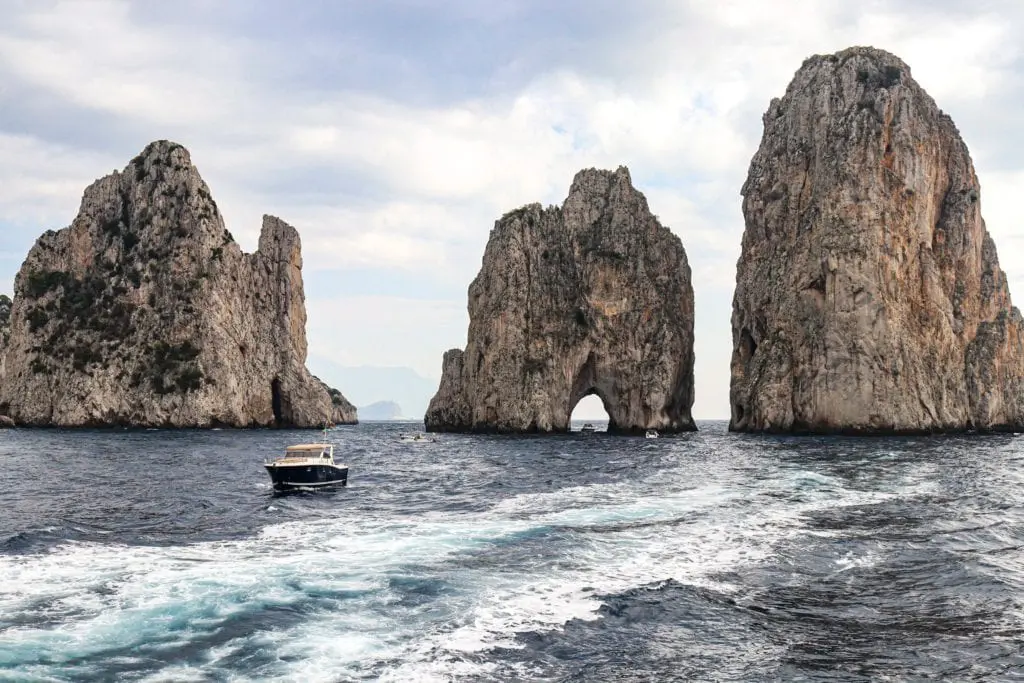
<point>393,133</point>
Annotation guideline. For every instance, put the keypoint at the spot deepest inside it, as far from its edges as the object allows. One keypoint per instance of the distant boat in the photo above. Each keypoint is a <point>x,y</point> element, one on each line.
<point>418,437</point>
<point>651,434</point>
<point>307,466</point>
<point>587,427</point>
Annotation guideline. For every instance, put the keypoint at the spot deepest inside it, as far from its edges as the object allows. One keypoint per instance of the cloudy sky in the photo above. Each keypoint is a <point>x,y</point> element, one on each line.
<point>392,133</point>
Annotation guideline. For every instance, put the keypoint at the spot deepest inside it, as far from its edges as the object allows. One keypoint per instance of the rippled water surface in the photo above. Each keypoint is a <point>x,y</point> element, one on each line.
<point>165,556</point>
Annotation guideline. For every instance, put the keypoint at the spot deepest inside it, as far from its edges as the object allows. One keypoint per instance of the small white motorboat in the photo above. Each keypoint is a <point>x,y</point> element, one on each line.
<point>651,434</point>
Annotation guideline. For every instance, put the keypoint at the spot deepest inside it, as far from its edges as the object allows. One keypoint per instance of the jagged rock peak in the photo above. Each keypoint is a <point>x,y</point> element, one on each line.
<point>145,311</point>
<point>593,297</point>
<point>869,297</point>
<point>596,182</point>
<point>165,150</point>
<point>864,57</point>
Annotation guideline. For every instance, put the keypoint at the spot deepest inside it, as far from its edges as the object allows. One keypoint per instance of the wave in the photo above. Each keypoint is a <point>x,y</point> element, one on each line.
<point>396,597</point>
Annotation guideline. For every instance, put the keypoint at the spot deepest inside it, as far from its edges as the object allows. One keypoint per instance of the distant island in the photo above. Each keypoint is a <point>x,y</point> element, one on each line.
<point>369,384</point>
<point>381,410</point>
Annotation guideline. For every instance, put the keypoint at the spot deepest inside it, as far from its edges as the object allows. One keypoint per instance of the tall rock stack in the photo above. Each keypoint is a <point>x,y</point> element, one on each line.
<point>146,312</point>
<point>869,297</point>
<point>593,297</point>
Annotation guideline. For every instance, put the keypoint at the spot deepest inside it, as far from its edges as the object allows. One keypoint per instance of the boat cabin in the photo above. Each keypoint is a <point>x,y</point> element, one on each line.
<point>310,450</point>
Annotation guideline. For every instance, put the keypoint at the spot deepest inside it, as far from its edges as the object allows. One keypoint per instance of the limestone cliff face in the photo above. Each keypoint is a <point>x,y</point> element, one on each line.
<point>592,297</point>
<point>146,312</point>
<point>869,296</point>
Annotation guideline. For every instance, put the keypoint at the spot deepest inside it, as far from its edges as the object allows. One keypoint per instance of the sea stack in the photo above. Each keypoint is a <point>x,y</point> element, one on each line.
<point>593,297</point>
<point>869,297</point>
<point>145,312</point>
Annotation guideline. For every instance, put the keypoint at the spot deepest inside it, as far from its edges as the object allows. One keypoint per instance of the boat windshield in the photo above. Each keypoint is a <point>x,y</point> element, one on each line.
<point>308,450</point>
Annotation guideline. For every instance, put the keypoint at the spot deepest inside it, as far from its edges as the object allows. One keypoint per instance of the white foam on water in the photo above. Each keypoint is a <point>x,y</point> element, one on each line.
<point>176,674</point>
<point>689,552</point>
<point>560,499</point>
<point>108,597</point>
<point>857,560</point>
<point>339,573</point>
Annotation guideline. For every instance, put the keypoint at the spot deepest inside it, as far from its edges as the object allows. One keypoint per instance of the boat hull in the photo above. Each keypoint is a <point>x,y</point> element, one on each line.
<point>292,477</point>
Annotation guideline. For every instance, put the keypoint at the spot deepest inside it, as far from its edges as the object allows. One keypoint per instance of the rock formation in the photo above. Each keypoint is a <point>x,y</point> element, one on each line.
<point>593,297</point>
<point>146,312</point>
<point>869,297</point>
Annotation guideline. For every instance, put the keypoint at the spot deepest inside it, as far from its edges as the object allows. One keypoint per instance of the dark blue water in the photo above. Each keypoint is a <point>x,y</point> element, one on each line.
<point>165,556</point>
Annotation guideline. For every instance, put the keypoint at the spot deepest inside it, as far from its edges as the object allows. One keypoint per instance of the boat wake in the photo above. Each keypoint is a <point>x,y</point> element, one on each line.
<point>402,597</point>
<point>494,558</point>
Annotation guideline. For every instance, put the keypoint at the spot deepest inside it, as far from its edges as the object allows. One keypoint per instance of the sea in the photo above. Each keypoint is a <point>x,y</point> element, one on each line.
<point>166,556</point>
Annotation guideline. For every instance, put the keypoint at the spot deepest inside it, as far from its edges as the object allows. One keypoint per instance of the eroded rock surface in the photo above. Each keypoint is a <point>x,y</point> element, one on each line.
<point>869,296</point>
<point>146,312</point>
<point>590,297</point>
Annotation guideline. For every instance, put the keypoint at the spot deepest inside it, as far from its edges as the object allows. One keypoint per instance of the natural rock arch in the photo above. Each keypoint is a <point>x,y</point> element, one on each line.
<point>573,407</point>
<point>590,297</point>
<point>589,382</point>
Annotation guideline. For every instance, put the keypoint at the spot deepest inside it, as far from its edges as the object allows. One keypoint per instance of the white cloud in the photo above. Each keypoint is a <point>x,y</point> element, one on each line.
<point>41,183</point>
<point>94,55</point>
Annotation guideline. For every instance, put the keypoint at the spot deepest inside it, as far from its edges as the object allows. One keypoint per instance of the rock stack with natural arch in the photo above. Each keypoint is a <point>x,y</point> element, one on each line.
<point>869,297</point>
<point>593,297</point>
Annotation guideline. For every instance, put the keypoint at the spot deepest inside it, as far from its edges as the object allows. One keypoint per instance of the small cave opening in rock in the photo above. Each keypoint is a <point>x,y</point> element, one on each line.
<point>589,410</point>
<point>739,413</point>
<point>275,400</point>
<point>747,345</point>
